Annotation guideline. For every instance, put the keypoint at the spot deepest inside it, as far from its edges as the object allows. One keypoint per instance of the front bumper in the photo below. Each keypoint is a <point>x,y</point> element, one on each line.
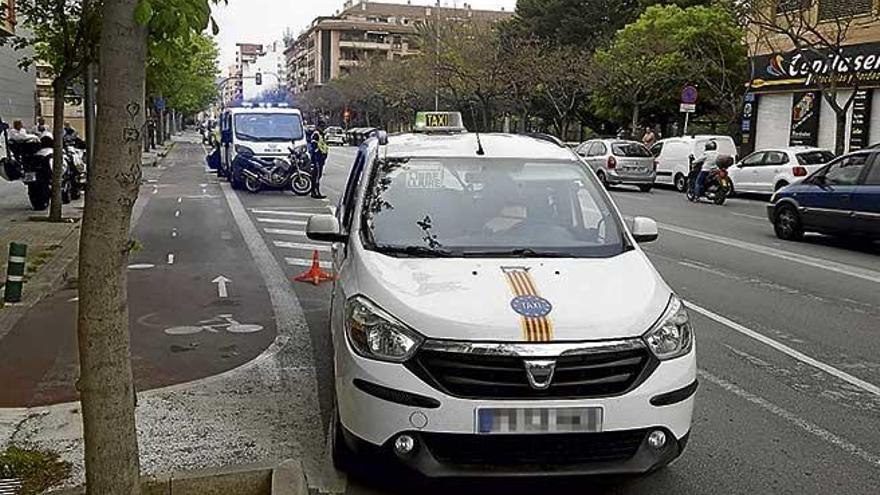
<point>372,418</point>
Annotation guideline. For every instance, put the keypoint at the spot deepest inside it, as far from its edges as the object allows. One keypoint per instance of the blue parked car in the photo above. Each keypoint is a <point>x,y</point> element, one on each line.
<point>842,198</point>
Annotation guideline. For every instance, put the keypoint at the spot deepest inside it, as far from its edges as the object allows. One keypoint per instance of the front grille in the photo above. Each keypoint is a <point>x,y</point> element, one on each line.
<point>481,376</point>
<point>537,450</point>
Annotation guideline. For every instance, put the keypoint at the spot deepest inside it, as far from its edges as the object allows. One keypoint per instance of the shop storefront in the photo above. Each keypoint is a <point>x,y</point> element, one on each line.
<point>786,108</point>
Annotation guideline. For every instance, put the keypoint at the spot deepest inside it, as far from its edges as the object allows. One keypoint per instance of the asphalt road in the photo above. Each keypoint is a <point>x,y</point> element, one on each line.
<point>788,354</point>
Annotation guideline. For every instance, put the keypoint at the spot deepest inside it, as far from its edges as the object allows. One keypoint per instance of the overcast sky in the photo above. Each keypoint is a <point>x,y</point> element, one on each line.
<point>263,21</point>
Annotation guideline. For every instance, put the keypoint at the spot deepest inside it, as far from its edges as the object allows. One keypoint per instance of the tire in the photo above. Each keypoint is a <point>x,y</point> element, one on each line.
<point>680,182</point>
<point>236,182</point>
<point>646,188</point>
<point>252,185</point>
<point>689,192</point>
<point>604,180</point>
<point>787,223</point>
<point>720,198</point>
<point>301,184</point>
<point>39,196</point>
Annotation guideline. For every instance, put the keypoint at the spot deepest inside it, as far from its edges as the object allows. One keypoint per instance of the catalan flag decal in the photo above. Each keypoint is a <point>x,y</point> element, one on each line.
<point>533,308</point>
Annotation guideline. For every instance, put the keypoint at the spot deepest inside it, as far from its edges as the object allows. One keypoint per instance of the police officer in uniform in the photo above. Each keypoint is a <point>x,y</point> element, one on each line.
<point>318,149</point>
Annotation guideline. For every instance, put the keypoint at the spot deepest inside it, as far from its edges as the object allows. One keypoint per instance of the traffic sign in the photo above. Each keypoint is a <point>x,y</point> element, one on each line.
<point>689,95</point>
<point>688,108</point>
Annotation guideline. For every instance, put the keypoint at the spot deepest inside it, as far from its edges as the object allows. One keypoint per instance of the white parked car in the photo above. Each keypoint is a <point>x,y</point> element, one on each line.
<point>495,315</point>
<point>767,171</point>
<point>674,156</point>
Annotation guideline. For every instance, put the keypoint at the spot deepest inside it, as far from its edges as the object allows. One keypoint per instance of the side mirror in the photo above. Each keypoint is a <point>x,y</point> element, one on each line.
<point>383,137</point>
<point>325,228</point>
<point>644,230</point>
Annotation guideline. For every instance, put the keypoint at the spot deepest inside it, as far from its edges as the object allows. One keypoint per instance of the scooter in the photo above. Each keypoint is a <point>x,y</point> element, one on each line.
<point>30,160</point>
<point>278,173</point>
<point>717,186</point>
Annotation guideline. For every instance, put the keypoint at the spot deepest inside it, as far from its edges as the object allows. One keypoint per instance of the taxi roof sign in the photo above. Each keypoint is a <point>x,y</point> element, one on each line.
<point>439,122</point>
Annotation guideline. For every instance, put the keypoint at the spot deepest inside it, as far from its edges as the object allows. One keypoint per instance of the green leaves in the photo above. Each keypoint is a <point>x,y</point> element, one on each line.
<point>143,12</point>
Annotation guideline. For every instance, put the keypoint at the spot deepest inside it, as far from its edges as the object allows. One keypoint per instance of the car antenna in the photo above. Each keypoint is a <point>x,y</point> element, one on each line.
<point>480,150</point>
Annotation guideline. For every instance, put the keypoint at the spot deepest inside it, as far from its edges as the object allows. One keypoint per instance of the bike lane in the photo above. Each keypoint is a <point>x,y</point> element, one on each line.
<point>198,306</point>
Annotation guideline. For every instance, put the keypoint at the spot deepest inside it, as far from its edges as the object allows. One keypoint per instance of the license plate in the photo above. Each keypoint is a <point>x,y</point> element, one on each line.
<point>640,170</point>
<point>30,177</point>
<point>539,420</point>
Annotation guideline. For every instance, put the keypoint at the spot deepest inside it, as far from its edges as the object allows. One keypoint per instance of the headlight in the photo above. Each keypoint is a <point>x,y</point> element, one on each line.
<point>672,336</point>
<point>243,150</point>
<point>375,334</point>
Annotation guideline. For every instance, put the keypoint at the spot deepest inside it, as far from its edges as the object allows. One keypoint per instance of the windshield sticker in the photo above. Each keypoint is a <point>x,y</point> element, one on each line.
<point>423,178</point>
<point>534,309</point>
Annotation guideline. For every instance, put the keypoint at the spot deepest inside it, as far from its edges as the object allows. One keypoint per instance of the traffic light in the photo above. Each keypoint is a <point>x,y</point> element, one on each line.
<point>259,79</point>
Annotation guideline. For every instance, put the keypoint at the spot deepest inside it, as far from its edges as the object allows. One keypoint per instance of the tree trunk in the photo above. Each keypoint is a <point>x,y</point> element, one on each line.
<point>635,119</point>
<point>840,134</point>
<point>105,385</point>
<point>160,121</point>
<point>58,87</point>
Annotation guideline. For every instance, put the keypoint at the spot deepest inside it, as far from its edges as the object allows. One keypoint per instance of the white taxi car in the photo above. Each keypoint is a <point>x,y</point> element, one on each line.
<point>495,315</point>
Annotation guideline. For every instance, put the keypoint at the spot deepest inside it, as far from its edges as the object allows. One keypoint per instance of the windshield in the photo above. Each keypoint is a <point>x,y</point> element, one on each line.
<point>496,207</point>
<point>268,126</point>
<point>815,157</point>
<point>634,150</point>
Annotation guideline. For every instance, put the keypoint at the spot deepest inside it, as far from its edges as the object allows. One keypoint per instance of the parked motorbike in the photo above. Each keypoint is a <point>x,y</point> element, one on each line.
<point>291,173</point>
<point>30,160</point>
<point>717,185</point>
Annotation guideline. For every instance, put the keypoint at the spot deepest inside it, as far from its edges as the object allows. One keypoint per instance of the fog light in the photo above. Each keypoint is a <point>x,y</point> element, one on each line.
<point>404,444</point>
<point>657,439</point>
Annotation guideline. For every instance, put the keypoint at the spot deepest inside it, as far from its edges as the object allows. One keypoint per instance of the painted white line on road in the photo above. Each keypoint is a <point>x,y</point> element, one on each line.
<point>281,220</point>
<point>300,245</point>
<point>296,233</point>
<point>170,259</point>
<point>179,200</point>
<point>141,266</point>
<point>792,418</point>
<point>177,213</point>
<point>173,232</point>
<point>746,215</point>
<point>273,208</point>
<point>306,262</point>
<point>630,196</point>
<point>283,213</point>
<point>827,368</point>
<point>221,282</point>
<point>155,190</point>
<point>832,266</point>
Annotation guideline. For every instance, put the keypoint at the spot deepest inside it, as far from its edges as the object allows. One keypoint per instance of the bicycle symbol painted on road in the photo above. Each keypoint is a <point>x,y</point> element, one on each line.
<point>214,325</point>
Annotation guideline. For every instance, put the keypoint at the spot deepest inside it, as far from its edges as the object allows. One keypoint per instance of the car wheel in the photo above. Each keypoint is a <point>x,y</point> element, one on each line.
<point>788,224</point>
<point>681,183</point>
<point>780,185</point>
<point>604,180</point>
<point>646,188</point>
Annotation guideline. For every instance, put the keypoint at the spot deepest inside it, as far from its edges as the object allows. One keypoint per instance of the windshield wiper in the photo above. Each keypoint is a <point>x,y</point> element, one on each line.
<point>516,253</point>
<point>417,251</point>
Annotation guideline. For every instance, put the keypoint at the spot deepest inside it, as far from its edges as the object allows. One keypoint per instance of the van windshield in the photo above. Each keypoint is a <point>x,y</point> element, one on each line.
<point>459,207</point>
<point>268,127</point>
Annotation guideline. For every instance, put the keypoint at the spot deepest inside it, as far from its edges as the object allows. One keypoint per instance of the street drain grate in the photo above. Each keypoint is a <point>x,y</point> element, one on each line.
<point>10,487</point>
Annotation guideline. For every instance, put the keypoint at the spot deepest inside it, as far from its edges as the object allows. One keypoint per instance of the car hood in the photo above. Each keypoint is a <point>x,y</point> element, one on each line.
<point>473,299</point>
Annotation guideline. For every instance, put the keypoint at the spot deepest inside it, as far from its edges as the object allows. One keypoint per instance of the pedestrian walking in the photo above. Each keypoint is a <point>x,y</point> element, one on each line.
<point>318,149</point>
<point>41,127</point>
<point>649,138</point>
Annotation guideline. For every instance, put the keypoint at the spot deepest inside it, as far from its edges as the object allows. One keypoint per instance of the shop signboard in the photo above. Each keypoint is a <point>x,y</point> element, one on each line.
<point>861,120</point>
<point>855,65</point>
<point>805,119</point>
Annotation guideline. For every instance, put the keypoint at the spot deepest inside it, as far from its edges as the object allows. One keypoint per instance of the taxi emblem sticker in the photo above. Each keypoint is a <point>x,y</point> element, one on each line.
<point>534,309</point>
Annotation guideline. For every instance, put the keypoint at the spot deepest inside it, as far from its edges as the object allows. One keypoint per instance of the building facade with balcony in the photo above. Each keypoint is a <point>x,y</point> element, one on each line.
<point>18,101</point>
<point>332,46</point>
<point>785,106</point>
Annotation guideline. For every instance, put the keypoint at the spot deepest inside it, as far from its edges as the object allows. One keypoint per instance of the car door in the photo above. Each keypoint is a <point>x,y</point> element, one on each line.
<point>866,201</point>
<point>592,152</point>
<point>766,175</point>
<point>583,148</point>
<point>743,174</point>
<point>828,201</point>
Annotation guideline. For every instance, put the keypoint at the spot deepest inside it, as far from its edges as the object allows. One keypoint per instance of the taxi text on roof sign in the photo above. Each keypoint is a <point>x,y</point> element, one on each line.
<point>439,122</point>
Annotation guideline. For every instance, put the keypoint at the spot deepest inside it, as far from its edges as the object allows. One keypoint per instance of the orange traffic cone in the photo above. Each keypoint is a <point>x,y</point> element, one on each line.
<point>315,275</point>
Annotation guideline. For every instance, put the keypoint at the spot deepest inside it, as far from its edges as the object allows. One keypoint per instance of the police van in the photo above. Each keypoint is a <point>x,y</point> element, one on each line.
<point>494,314</point>
<point>267,131</point>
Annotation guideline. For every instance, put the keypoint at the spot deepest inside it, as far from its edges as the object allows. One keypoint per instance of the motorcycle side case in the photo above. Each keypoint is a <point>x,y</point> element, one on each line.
<point>10,169</point>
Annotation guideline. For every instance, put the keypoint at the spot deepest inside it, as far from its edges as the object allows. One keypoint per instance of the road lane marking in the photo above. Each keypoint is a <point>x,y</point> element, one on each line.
<point>792,418</point>
<point>177,213</point>
<point>221,282</point>
<point>306,262</point>
<point>827,368</point>
<point>170,259</point>
<point>632,196</point>
<point>300,245</point>
<point>281,220</point>
<point>283,213</point>
<point>295,233</point>
<point>141,266</point>
<point>832,266</point>
<point>173,232</point>
<point>281,208</point>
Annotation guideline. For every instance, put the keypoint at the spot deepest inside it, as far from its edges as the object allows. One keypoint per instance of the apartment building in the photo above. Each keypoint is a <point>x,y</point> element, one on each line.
<point>19,88</point>
<point>331,46</point>
<point>784,106</point>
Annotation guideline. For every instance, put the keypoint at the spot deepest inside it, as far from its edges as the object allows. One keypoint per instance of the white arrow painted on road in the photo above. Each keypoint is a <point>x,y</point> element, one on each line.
<point>221,282</point>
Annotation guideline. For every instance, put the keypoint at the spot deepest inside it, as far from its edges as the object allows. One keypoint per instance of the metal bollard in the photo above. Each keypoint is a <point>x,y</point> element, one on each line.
<point>15,272</point>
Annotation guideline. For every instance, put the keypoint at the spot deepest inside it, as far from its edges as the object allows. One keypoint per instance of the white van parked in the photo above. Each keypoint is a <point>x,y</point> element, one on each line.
<point>674,156</point>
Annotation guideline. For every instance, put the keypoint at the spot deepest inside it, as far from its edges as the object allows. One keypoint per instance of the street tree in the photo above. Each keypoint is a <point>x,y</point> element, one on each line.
<point>106,387</point>
<point>183,71</point>
<point>817,33</point>
<point>64,37</point>
<point>587,24</point>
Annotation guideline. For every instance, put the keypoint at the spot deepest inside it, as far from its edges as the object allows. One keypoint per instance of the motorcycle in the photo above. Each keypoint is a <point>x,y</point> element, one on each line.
<point>31,161</point>
<point>716,186</point>
<point>292,172</point>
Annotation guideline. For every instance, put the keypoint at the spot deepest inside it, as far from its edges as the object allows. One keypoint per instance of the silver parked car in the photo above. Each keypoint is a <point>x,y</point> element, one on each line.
<point>620,162</point>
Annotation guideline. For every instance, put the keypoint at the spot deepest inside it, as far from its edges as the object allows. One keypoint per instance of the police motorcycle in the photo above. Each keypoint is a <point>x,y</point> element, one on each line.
<point>717,186</point>
<point>292,172</point>
<point>29,159</point>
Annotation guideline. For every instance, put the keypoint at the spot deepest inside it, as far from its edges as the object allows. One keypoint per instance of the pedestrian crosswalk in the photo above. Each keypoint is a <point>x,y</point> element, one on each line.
<point>285,229</point>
